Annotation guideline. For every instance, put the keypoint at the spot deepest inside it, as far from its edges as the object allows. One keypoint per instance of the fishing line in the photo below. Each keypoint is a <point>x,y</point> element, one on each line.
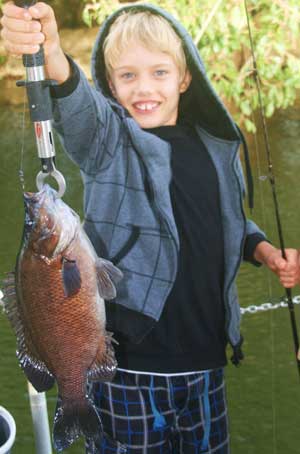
<point>21,167</point>
<point>261,179</point>
<point>262,203</point>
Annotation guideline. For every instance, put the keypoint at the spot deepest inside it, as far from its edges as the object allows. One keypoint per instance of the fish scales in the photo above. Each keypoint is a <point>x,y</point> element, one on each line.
<point>58,313</point>
<point>83,330</point>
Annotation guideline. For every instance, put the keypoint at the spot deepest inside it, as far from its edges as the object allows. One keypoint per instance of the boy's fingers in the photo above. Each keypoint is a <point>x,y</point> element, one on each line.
<point>292,255</point>
<point>15,12</point>
<point>280,263</point>
<point>291,267</point>
<point>45,14</point>
<point>16,30</point>
<point>289,273</point>
<point>40,11</point>
<point>18,49</point>
<point>22,26</point>
<point>288,283</point>
<point>22,38</point>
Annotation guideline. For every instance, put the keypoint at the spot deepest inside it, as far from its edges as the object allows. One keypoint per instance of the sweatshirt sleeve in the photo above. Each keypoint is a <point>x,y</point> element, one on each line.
<point>88,127</point>
<point>254,236</point>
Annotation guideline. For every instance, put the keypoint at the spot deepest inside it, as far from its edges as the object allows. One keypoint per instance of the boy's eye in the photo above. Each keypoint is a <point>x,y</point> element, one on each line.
<point>161,72</point>
<point>127,76</point>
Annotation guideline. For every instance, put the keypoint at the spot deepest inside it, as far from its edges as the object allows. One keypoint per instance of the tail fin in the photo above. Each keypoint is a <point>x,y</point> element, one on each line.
<point>73,419</point>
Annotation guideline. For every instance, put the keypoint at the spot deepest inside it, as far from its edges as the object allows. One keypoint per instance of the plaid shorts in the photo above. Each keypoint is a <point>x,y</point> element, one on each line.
<point>151,414</point>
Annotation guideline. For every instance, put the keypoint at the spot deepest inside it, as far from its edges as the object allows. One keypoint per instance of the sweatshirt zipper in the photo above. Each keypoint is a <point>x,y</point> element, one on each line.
<point>241,247</point>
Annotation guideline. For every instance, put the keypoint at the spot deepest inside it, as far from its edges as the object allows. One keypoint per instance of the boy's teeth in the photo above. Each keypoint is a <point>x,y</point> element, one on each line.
<point>147,106</point>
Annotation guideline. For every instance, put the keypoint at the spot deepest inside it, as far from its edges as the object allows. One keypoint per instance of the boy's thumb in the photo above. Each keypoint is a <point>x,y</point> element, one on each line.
<point>42,11</point>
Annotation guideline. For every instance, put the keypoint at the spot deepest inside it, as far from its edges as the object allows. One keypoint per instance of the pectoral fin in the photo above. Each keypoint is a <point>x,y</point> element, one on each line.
<point>107,274</point>
<point>71,277</point>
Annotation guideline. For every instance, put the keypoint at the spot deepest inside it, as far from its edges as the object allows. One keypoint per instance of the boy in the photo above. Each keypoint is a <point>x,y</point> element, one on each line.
<point>163,201</point>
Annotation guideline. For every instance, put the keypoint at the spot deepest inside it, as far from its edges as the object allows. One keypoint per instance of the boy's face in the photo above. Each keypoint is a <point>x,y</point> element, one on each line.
<point>148,84</point>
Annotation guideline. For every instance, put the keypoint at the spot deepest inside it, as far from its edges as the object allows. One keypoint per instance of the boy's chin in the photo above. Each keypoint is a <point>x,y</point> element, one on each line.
<point>148,123</point>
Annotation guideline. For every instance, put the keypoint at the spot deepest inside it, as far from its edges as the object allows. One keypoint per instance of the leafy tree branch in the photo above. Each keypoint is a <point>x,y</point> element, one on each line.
<point>220,31</point>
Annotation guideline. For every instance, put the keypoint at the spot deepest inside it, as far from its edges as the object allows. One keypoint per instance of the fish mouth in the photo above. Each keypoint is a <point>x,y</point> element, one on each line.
<point>36,197</point>
<point>33,202</point>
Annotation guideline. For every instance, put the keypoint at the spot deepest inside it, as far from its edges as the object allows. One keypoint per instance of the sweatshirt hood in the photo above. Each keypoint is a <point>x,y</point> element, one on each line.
<point>200,103</point>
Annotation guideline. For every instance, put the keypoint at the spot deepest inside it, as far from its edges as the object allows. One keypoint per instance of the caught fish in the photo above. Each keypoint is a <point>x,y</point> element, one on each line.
<point>55,303</point>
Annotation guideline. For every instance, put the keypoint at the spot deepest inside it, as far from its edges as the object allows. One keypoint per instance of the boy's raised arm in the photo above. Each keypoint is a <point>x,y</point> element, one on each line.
<point>23,30</point>
<point>81,115</point>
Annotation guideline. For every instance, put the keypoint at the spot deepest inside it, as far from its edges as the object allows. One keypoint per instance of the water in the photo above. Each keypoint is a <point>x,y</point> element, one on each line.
<point>263,394</point>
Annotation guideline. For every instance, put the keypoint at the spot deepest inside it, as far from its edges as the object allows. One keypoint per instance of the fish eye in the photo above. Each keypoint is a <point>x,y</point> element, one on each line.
<point>29,225</point>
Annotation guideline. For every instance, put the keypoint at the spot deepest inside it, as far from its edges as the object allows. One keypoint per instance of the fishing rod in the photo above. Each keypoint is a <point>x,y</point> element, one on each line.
<point>288,291</point>
<point>40,107</point>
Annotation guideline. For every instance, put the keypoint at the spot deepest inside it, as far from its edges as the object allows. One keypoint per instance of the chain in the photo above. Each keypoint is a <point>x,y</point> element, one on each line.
<point>269,306</point>
<point>253,309</point>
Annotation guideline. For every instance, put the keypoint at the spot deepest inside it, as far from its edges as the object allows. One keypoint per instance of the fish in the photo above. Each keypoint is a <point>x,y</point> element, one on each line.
<point>55,303</point>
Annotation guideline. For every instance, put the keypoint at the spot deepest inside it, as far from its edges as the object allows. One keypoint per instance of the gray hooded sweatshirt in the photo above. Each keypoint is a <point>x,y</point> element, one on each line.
<point>126,173</point>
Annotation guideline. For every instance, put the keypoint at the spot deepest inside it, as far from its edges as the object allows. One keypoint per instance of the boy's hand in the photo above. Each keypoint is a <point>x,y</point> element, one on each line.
<point>22,34</point>
<point>288,271</point>
<point>24,30</point>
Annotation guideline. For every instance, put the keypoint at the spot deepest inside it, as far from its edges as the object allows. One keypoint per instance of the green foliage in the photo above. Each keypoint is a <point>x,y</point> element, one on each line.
<point>3,59</point>
<point>67,16</point>
<point>220,32</point>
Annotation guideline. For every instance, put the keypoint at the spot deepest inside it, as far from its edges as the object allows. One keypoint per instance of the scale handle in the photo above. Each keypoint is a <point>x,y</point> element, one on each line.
<point>25,3</point>
<point>38,59</point>
<point>40,107</point>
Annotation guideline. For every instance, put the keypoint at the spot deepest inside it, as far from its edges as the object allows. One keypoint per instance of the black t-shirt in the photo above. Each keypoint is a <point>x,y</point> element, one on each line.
<point>190,334</point>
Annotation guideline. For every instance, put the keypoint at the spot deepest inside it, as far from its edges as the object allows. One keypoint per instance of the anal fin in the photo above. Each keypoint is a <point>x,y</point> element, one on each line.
<point>36,372</point>
<point>105,364</point>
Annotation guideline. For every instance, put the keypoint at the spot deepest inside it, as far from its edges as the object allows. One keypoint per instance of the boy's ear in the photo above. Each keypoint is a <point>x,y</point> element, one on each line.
<point>185,83</point>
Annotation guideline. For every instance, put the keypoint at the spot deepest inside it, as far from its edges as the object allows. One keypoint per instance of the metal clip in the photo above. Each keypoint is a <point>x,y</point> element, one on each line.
<point>59,178</point>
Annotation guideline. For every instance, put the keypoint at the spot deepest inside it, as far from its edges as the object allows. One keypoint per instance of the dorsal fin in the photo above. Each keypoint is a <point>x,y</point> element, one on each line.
<point>34,368</point>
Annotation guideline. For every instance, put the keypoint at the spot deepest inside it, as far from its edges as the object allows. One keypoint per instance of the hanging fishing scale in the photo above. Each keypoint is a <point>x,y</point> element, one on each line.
<point>40,107</point>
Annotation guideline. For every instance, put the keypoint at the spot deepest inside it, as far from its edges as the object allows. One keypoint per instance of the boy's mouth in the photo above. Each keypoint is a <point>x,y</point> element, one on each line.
<point>146,106</point>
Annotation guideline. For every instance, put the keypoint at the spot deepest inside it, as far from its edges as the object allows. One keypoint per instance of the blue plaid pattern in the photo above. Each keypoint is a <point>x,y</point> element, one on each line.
<point>151,414</point>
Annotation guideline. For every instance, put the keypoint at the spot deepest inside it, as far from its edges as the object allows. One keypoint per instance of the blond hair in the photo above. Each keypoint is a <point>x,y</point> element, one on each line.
<point>151,30</point>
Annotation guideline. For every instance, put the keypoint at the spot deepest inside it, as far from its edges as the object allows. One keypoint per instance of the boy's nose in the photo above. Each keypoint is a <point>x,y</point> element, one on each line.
<point>144,86</point>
